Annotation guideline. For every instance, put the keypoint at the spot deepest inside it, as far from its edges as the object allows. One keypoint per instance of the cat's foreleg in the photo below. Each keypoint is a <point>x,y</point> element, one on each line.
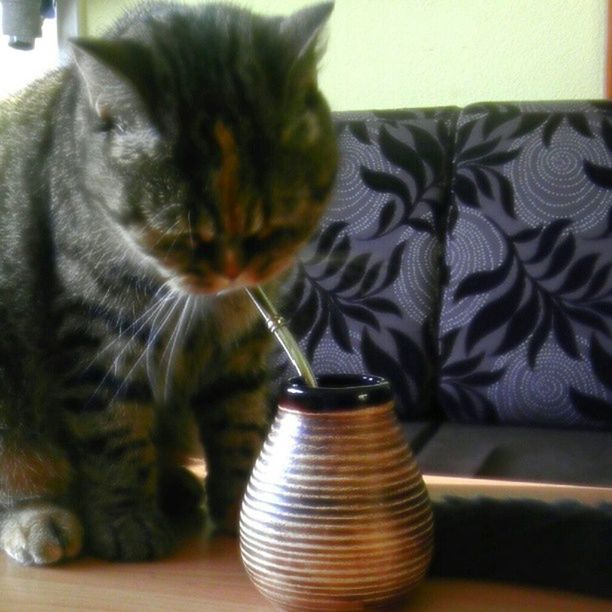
<point>234,415</point>
<point>118,473</point>
<point>36,524</point>
<point>233,435</point>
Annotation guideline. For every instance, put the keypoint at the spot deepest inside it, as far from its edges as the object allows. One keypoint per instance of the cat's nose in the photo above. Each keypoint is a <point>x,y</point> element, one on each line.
<point>231,266</point>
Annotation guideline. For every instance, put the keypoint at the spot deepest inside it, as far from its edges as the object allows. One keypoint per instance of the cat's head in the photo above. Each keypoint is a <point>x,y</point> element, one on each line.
<point>203,134</point>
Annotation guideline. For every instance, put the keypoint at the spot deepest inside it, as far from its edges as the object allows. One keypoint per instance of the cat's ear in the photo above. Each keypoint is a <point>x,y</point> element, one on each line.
<point>305,29</point>
<point>108,66</point>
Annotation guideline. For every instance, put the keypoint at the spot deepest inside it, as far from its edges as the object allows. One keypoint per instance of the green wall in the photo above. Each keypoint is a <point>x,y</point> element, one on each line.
<point>394,53</point>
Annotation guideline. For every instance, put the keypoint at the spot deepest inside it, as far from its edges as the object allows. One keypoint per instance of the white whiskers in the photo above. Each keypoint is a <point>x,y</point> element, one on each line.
<point>175,342</point>
<point>167,318</point>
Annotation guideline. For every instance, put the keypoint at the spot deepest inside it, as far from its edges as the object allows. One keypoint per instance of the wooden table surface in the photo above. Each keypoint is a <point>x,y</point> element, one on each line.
<point>208,575</point>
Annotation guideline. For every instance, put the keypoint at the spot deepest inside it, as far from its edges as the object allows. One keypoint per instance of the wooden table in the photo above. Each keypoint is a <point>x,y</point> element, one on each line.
<point>209,576</point>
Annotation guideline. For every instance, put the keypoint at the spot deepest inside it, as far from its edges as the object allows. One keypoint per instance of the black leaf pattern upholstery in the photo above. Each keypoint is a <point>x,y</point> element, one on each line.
<point>365,295</point>
<point>467,257</point>
<point>526,314</point>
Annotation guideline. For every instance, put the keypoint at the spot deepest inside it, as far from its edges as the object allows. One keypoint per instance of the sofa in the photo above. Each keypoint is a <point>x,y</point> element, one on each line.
<point>466,256</point>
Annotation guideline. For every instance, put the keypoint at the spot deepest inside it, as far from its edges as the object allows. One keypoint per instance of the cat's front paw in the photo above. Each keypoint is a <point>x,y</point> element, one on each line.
<point>138,535</point>
<point>40,534</point>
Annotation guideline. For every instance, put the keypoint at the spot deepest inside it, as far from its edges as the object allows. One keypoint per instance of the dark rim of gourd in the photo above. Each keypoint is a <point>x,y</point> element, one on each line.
<point>336,392</point>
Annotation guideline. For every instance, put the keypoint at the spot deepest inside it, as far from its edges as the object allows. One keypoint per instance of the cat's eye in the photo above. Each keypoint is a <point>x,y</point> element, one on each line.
<point>104,125</point>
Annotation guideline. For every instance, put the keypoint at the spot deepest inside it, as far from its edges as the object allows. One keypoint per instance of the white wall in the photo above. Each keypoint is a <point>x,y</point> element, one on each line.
<point>394,53</point>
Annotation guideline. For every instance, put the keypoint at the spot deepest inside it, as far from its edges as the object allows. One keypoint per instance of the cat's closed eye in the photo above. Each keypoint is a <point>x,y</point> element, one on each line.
<point>104,125</point>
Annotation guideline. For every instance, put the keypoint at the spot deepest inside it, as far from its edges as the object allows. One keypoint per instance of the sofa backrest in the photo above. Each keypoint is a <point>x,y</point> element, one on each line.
<point>365,295</point>
<point>526,314</point>
<point>467,256</point>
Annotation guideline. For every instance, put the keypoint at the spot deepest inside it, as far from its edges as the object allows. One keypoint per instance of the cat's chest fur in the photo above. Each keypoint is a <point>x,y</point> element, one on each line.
<point>178,343</point>
<point>148,331</point>
<point>219,326</point>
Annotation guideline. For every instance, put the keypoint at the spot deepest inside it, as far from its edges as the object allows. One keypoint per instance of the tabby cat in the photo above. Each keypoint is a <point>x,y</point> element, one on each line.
<point>184,156</point>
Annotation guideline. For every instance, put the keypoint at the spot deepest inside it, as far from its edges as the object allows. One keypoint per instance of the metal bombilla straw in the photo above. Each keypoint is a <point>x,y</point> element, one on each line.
<point>278,326</point>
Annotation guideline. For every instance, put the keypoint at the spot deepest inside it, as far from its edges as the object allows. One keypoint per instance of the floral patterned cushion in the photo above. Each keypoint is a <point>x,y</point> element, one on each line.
<point>526,313</point>
<point>364,297</point>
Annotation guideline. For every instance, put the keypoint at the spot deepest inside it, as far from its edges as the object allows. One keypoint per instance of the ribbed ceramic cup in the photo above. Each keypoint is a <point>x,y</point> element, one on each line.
<point>336,515</point>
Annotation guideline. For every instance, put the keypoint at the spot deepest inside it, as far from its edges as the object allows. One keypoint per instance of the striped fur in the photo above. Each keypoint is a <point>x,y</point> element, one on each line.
<point>186,155</point>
